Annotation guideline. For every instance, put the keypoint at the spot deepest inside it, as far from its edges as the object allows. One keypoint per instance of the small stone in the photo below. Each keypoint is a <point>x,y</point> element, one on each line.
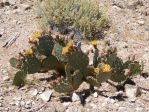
<point>139,109</point>
<point>1,105</point>
<point>6,109</point>
<point>35,92</point>
<point>141,22</point>
<point>122,109</point>
<point>1,97</point>
<point>6,78</point>
<point>45,96</point>
<point>22,103</point>
<point>132,91</point>
<point>75,97</point>
<point>27,106</point>
<point>66,105</point>
<point>17,98</point>
<point>29,102</point>
<point>146,27</point>
<point>95,95</point>
<point>12,103</point>
<point>26,7</point>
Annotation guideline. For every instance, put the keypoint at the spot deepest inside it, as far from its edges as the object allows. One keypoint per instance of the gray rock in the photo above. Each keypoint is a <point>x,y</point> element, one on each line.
<point>45,96</point>
<point>146,27</point>
<point>76,97</point>
<point>132,91</point>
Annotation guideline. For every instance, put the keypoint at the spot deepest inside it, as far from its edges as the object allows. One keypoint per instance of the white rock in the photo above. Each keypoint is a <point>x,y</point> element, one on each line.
<point>132,91</point>
<point>66,105</point>
<point>6,78</point>
<point>95,95</point>
<point>1,105</point>
<point>22,103</point>
<point>17,98</point>
<point>35,92</point>
<point>45,96</point>
<point>141,22</point>
<point>75,97</point>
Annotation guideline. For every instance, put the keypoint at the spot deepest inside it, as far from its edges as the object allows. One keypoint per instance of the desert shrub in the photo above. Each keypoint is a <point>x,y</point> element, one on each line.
<point>83,17</point>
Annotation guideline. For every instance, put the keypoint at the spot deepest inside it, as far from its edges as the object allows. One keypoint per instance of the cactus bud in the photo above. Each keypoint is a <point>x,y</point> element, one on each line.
<point>35,37</point>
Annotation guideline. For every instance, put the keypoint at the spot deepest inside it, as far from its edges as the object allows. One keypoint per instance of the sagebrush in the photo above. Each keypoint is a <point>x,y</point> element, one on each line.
<point>82,17</point>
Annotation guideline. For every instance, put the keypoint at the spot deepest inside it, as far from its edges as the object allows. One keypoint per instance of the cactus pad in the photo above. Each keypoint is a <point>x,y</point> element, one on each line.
<point>45,45</point>
<point>31,65</point>
<point>49,63</point>
<point>19,79</point>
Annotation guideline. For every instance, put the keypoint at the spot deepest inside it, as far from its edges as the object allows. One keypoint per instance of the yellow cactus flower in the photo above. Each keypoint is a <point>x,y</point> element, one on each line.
<point>29,52</point>
<point>65,50</point>
<point>70,44</point>
<point>106,68</point>
<point>94,42</point>
<point>35,36</point>
<point>97,70</point>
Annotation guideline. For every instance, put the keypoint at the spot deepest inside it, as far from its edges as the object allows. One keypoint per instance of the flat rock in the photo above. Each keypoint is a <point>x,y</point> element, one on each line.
<point>75,97</point>
<point>45,96</point>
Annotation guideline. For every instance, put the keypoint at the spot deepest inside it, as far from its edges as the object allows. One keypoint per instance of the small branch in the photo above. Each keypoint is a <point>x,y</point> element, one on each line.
<point>11,41</point>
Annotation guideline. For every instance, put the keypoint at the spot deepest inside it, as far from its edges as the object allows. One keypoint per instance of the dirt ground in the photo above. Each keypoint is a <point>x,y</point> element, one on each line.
<point>129,32</point>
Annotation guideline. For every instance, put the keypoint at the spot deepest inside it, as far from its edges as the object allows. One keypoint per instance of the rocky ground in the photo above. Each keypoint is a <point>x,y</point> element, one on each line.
<point>129,31</point>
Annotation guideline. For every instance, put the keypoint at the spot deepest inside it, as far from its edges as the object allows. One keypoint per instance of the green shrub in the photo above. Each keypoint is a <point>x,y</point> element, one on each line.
<point>80,16</point>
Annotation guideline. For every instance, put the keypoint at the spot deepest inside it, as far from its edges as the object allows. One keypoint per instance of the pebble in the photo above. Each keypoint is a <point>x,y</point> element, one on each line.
<point>45,96</point>
<point>22,103</point>
<point>66,105</point>
<point>132,91</point>
<point>1,105</point>
<point>35,92</point>
<point>75,97</point>
<point>122,109</point>
<point>6,78</point>
<point>141,22</point>
<point>95,95</point>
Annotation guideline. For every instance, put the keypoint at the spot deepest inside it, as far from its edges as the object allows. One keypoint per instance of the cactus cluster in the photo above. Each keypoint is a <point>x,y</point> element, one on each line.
<point>71,63</point>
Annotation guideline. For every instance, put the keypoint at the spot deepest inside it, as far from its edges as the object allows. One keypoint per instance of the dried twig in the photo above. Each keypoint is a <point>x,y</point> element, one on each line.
<point>11,41</point>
